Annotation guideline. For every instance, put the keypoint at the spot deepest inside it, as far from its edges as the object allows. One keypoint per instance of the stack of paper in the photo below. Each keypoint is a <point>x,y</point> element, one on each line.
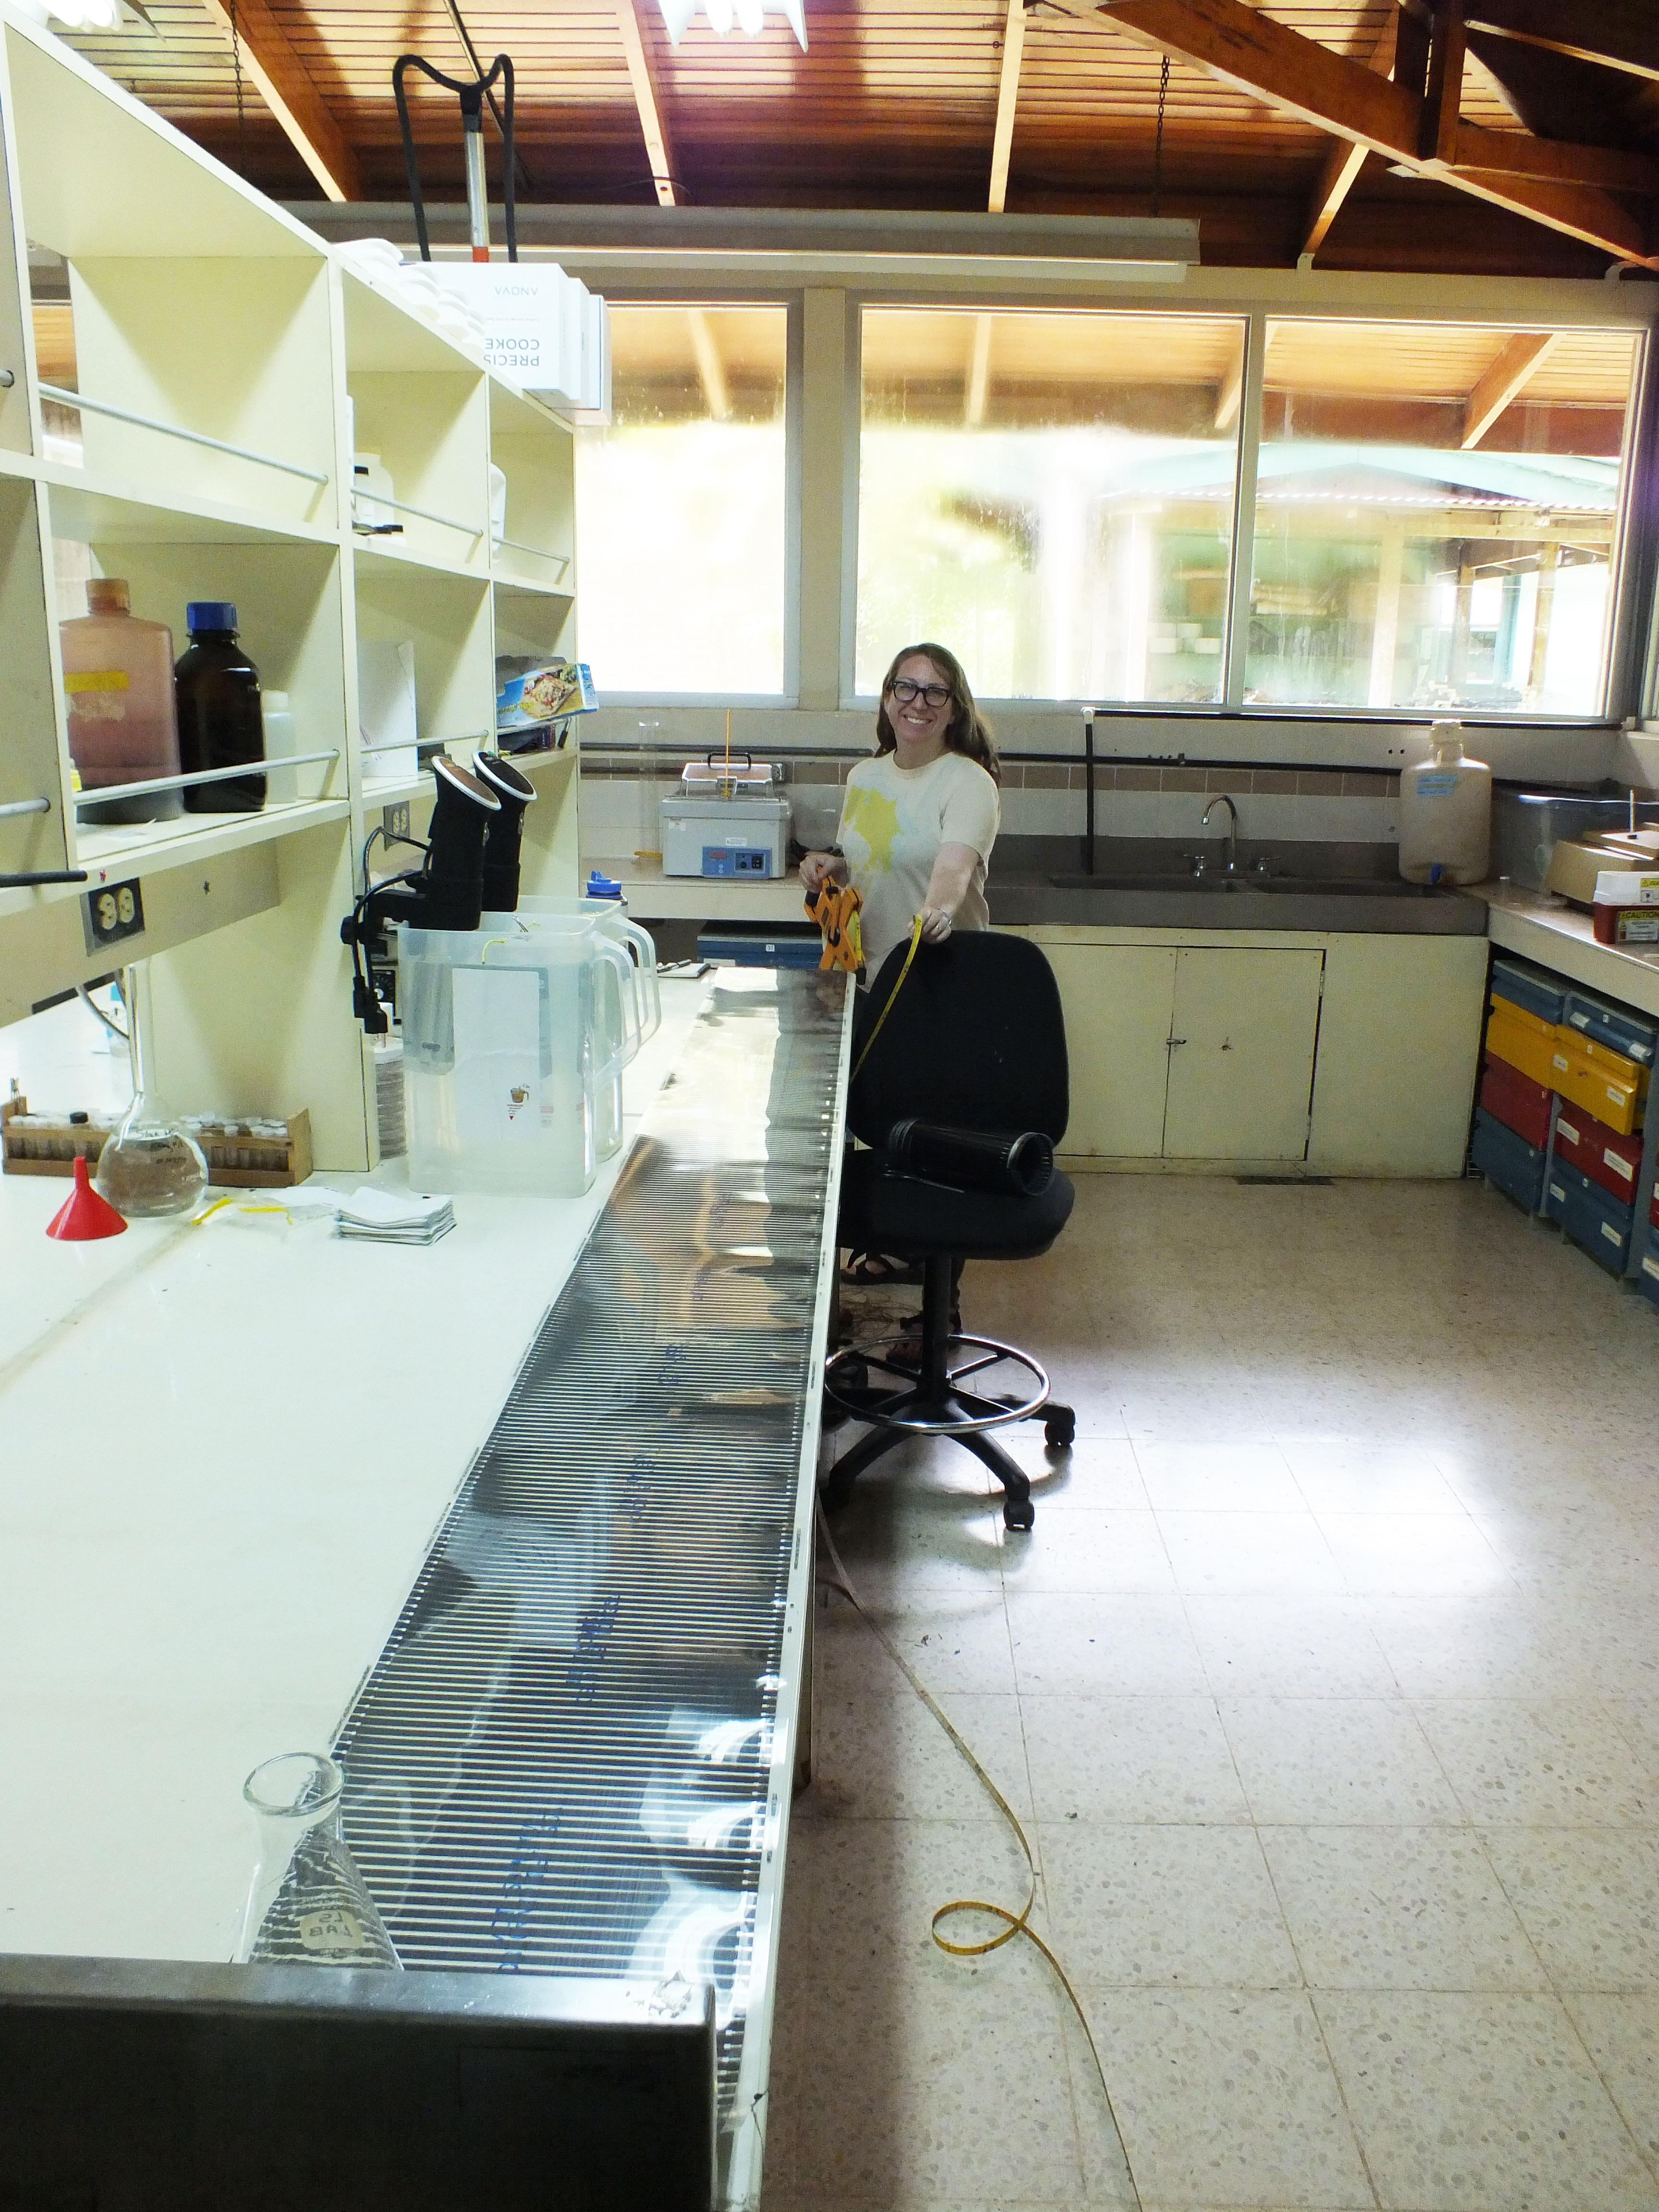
<point>384,1217</point>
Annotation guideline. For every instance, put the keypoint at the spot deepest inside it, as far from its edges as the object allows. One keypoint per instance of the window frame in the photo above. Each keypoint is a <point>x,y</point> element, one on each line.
<point>1630,674</point>
<point>705,295</point>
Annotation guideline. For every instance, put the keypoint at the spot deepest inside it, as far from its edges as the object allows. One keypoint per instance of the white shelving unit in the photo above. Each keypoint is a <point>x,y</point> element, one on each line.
<point>199,306</point>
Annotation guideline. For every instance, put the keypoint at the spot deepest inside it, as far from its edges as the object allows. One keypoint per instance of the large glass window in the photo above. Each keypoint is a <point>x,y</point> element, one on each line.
<point>1436,510</point>
<point>681,553</point>
<point>1050,496</point>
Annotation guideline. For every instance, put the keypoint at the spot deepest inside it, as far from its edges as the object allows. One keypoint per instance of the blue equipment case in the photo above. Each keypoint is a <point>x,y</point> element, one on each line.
<point>1510,1161</point>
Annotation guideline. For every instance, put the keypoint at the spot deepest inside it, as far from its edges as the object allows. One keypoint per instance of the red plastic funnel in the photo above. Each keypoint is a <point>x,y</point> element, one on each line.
<point>83,1215</point>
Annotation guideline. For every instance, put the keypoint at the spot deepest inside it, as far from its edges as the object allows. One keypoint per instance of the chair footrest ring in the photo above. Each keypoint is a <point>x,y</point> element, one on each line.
<point>946,1423</point>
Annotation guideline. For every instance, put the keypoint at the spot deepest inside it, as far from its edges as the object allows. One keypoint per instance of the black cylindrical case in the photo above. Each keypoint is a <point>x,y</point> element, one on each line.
<point>972,1159</point>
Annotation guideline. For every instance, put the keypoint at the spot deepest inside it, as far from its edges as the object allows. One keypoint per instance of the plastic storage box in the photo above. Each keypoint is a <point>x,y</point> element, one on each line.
<point>1514,1166</point>
<point>1592,1216</point>
<point>1516,1101</point>
<point>1520,984</point>
<point>1521,1043</point>
<point>1613,1161</point>
<point>1630,1034</point>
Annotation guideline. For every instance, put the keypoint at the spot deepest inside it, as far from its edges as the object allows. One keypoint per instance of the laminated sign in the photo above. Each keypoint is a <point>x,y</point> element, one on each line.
<point>543,331</point>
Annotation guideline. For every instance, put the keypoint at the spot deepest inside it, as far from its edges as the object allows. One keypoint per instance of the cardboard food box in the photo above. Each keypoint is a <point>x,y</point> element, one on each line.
<point>1574,866</point>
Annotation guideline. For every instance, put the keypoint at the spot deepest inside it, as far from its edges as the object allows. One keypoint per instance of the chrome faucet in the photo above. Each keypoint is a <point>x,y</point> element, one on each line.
<point>1230,862</point>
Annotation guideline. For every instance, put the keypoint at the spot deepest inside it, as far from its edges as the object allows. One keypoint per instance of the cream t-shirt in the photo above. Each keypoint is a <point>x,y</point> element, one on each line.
<point>893,821</point>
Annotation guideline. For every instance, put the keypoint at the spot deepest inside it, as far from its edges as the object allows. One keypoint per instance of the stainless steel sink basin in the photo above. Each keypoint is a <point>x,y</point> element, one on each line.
<point>1185,883</point>
<point>1293,886</point>
<point>1166,899</point>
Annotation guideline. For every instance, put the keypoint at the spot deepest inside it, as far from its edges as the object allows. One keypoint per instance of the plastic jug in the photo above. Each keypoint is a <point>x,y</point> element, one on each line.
<point>628,1005</point>
<point>1445,813</point>
<point>508,1047</point>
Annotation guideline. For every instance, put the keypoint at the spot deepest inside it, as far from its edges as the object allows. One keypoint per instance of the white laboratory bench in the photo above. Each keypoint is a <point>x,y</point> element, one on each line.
<point>226,1451</point>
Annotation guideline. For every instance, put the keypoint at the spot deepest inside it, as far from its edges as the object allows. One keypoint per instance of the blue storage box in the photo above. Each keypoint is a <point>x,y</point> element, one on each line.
<point>1647,1275</point>
<point>1509,1161</point>
<point>1592,1216</point>
<point>1617,1027</point>
<point>1534,989</point>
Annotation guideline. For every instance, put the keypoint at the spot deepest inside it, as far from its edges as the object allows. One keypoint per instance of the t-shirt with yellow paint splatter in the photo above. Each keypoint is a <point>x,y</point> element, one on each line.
<point>893,821</point>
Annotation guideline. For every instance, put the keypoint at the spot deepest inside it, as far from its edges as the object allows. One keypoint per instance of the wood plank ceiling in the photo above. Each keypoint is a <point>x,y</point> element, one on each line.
<point>895,103</point>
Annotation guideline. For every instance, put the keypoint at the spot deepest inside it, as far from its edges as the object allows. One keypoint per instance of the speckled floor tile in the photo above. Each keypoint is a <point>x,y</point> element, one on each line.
<point>884,1757</point>
<point>1109,1552</point>
<point>1164,1907</point>
<point>1131,1760</point>
<point>876,1884</point>
<point>892,1544</point>
<point>1096,1474</point>
<point>1064,1644</point>
<point>1622,2036</point>
<point>956,1641</point>
<point>1223,2099</point>
<point>1256,1646</point>
<point>1336,1762</point>
<point>1480,2104</point>
<point>1496,1644</point>
<point>1239,1477</point>
<point>1588,1899</point>
<point>1398,1908</point>
<point>1560,1764</point>
<point>1412,1555</point>
<point>1260,1553</point>
<point>1354,1476</point>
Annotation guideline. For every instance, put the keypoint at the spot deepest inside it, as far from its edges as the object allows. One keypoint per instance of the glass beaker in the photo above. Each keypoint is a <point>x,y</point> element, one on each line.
<point>308,1905</point>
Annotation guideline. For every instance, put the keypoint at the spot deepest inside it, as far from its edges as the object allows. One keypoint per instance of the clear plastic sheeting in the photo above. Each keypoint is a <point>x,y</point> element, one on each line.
<point>573,1756</point>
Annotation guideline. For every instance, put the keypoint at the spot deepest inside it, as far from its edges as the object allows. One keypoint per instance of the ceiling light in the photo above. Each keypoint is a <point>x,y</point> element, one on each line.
<point>748,15</point>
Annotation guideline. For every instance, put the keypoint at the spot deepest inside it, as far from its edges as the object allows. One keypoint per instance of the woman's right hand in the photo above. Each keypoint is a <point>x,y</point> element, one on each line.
<point>819,868</point>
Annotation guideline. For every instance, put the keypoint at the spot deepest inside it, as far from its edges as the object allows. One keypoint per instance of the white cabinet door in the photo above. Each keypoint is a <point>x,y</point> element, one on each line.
<point>1242,1054</point>
<point>1116,999</point>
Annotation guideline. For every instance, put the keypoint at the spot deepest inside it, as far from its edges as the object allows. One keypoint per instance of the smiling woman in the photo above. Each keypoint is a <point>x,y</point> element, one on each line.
<point>680,505</point>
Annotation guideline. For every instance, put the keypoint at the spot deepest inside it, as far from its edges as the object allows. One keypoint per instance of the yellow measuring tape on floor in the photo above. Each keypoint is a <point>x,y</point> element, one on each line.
<point>1013,1924</point>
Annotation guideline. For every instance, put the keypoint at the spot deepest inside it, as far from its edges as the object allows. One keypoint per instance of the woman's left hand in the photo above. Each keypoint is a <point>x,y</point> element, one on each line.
<point>935,924</point>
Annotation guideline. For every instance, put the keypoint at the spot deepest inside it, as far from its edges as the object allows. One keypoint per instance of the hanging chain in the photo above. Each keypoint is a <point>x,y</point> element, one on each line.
<point>1158,144</point>
<point>241,116</point>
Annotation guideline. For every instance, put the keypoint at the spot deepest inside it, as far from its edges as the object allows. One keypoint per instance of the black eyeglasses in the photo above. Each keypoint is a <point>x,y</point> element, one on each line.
<point>903,689</point>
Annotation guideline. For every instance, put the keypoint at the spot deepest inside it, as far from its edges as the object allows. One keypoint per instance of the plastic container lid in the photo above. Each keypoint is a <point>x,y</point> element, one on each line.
<point>211,614</point>
<point>603,887</point>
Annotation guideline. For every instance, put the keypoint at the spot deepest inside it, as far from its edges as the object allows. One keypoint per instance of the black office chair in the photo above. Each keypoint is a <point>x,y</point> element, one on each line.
<point>975,1041</point>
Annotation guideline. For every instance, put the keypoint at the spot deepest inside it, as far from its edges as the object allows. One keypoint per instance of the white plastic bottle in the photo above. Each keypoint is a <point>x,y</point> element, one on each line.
<point>1445,813</point>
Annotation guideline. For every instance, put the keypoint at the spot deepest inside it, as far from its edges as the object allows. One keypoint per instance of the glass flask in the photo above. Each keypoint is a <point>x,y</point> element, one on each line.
<point>308,1904</point>
<point>150,1165</point>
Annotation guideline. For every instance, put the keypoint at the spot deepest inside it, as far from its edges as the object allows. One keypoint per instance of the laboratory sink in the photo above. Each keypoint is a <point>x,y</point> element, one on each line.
<point>1184,882</point>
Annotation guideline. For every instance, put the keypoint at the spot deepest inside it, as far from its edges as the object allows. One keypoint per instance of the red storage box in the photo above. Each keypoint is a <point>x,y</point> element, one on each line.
<point>1601,1154</point>
<point>1653,1209</point>
<point>1516,1101</point>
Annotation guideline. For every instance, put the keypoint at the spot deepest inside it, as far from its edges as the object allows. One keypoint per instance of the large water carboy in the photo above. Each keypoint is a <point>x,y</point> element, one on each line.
<point>1445,813</point>
<point>629,999</point>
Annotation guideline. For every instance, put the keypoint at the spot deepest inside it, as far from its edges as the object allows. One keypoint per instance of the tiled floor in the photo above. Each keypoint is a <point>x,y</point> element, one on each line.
<point>1328,1679</point>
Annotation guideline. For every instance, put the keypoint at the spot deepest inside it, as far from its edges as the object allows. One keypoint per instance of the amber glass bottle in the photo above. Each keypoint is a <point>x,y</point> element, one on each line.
<point>220,723</point>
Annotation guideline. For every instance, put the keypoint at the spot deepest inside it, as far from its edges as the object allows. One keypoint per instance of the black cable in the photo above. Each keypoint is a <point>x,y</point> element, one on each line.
<point>469,97</point>
<point>1158,144</point>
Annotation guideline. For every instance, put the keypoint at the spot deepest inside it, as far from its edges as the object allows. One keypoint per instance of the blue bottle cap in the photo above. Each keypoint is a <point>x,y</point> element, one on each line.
<point>211,614</point>
<point>600,886</point>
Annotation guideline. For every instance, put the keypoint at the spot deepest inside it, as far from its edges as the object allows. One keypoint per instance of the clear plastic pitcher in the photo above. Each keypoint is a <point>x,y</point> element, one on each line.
<point>509,1047</point>
<point>630,1010</point>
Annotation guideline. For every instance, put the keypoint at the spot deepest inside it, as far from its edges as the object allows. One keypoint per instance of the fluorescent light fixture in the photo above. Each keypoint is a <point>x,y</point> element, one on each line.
<point>74,14</point>
<point>748,15</point>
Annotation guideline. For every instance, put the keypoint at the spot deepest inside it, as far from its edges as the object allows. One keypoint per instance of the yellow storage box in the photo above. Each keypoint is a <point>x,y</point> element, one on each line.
<point>1593,1084</point>
<point>1535,1047</point>
<point>1507,1010</point>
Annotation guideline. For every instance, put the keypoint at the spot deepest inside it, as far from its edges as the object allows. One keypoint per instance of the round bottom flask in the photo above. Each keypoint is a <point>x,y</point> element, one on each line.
<point>308,1905</point>
<point>150,1165</point>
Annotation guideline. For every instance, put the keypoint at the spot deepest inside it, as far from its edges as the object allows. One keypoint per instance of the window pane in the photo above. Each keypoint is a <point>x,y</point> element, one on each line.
<point>1436,506</point>
<point>1050,496</point>
<point>680,504</point>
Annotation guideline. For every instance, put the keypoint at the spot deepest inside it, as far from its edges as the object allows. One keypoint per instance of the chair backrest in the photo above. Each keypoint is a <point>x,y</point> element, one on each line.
<point>976,1041</point>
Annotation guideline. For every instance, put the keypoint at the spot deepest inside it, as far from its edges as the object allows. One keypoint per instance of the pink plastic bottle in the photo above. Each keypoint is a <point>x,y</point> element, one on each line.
<point>123,727</point>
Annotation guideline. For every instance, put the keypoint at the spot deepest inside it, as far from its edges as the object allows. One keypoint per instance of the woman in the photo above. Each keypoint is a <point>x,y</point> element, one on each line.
<point>920,817</point>
<point>917,827</point>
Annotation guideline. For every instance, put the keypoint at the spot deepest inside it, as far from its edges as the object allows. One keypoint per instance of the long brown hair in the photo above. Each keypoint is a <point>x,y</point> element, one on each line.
<point>967,733</point>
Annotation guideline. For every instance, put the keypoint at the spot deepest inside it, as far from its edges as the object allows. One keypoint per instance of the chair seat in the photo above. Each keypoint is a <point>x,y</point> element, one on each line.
<point>920,1220</point>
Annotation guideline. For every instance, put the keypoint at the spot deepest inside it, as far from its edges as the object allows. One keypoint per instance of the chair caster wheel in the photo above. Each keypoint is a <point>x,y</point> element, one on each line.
<point>1060,1429</point>
<point>852,1375</point>
<point>1019,1513</point>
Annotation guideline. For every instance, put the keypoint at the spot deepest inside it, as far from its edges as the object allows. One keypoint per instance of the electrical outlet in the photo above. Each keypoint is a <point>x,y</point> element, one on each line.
<point>394,822</point>
<point>115,911</point>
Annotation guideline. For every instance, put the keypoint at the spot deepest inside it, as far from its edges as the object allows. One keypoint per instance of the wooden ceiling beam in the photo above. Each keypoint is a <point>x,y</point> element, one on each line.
<point>1002,143</point>
<point>1620,34</point>
<point>648,99</point>
<point>1504,380</point>
<point>979,371</point>
<point>1516,154</point>
<point>711,370</point>
<point>1303,78</point>
<point>1345,160</point>
<point>1442,102</point>
<point>285,85</point>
